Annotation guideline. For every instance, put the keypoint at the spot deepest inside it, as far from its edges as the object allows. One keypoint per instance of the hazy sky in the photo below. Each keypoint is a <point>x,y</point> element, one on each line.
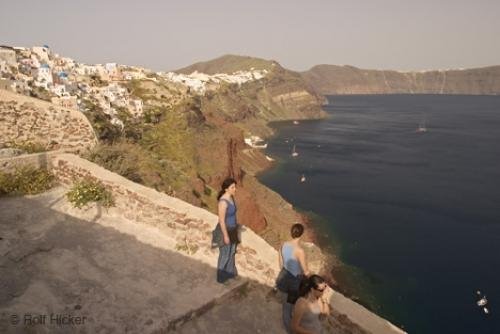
<point>163,35</point>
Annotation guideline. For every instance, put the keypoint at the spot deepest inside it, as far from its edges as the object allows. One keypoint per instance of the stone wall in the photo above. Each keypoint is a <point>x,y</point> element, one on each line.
<point>37,160</point>
<point>24,119</point>
<point>134,201</point>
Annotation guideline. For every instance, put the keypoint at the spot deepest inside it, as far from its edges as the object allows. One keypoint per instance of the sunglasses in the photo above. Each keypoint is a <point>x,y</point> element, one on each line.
<point>320,290</point>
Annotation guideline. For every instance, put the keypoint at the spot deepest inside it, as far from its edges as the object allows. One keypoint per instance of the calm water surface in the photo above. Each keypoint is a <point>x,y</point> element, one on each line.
<point>415,216</point>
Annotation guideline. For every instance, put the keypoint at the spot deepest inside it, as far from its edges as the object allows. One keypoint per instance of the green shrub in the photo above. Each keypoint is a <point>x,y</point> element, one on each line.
<point>136,90</point>
<point>153,114</point>
<point>207,191</point>
<point>132,127</point>
<point>89,190</point>
<point>122,158</point>
<point>101,122</point>
<point>41,93</point>
<point>96,80</point>
<point>26,180</point>
<point>139,165</point>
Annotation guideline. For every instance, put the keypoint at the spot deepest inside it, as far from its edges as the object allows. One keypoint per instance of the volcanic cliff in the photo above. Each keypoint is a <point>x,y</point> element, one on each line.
<point>334,79</point>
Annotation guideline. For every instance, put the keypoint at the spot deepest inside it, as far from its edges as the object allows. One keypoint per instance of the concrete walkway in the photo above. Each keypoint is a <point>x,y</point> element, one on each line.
<point>54,263</point>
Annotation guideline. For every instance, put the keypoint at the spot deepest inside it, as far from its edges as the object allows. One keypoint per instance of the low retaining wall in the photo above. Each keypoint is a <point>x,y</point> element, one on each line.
<point>37,160</point>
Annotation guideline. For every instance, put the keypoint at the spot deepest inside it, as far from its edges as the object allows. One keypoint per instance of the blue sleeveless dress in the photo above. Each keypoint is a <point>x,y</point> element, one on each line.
<point>226,264</point>
<point>230,220</point>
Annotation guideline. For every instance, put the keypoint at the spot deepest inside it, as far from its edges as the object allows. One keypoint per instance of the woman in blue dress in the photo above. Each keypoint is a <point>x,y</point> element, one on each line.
<point>226,266</point>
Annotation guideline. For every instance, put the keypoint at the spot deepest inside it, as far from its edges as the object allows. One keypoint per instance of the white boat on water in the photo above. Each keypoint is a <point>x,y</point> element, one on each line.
<point>255,142</point>
<point>483,301</point>
<point>296,122</point>
<point>421,127</point>
<point>294,152</point>
<point>303,178</point>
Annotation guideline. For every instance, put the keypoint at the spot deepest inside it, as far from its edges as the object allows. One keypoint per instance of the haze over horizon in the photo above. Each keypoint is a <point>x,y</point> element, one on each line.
<point>389,34</point>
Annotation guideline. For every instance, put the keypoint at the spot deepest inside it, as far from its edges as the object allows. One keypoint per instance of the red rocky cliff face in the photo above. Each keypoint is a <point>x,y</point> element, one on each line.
<point>228,160</point>
<point>233,169</point>
<point>249,213</point>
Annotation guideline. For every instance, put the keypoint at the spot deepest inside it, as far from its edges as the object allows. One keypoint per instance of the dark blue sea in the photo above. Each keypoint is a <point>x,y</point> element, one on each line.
<point>415,217</point>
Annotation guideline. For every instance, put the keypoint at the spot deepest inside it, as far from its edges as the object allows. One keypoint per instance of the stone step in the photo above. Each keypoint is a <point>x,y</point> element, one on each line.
<point>235,287</point>
<point>250,310</point>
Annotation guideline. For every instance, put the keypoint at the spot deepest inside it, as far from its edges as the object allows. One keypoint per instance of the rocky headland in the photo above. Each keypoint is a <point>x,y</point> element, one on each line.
<point>338,80</point>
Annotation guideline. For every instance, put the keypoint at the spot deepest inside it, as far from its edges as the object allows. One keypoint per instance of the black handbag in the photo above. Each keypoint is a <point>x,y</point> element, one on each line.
<point>217,237</point>
<point>289,284</point>
<point>283,279</point>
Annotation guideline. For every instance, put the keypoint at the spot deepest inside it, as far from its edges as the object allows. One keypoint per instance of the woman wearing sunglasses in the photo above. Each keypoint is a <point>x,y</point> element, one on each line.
<point>310,306</point>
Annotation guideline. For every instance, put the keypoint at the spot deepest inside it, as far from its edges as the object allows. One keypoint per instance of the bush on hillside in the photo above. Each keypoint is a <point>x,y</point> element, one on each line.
<point>154,114</point>
<point>136,90</point>
<point>41,93</point>
<point>105,130</point>
<point>139,165</point>
<point>121,158</point>
<point>26,180</point>
<point>132,127</point>
<point>88,190</point>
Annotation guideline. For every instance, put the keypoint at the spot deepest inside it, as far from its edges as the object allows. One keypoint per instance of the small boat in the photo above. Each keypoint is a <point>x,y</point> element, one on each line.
<point>255,142</point>
<point>269,158</point>
<point>259,146</point>
<point>303,178</point>
<point>296,122</point>
<point>486,310</point>
<point>294,153</point>
<point>421,127</point>
<point>483,301</point>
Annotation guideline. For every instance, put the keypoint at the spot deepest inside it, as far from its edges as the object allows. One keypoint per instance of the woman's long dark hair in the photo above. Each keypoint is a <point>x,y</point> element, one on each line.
<point>227,182</point>
<point>309,283</point>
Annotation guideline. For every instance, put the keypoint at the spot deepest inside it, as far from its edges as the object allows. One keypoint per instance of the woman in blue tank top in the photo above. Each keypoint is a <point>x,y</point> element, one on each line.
<point>294,267</point>
<point>226,265</point>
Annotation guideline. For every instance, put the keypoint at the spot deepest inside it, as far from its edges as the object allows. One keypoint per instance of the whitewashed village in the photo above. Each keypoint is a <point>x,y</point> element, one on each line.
<point>39,72</point>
